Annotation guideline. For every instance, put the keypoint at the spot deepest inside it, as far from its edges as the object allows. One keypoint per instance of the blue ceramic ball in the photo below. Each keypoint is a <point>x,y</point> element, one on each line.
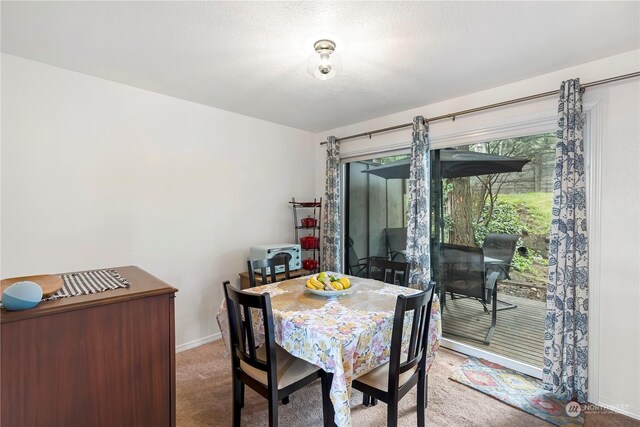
<point>21,296</point>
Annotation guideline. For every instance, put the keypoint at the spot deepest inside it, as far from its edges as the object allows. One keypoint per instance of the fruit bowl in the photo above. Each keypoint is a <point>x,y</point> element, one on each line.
<point>327,285</point>
<point>331,293</point>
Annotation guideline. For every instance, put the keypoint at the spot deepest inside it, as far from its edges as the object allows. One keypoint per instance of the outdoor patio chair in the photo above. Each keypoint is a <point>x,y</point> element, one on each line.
<point>356,265</point>
<point>396,243</point>
<point>502,248</point>
<point>463,273</point>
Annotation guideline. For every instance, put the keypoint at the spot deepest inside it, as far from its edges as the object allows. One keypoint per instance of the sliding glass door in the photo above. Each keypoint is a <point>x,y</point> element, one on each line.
<point>492,217</point>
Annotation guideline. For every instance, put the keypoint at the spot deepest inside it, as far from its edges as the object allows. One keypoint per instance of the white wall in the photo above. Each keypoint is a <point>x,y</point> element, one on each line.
<point>99,174</point>
<point>615,282</point>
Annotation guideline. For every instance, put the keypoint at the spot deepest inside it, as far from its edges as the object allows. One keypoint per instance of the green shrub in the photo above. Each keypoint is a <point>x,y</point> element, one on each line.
<point>505,219</point>
<point>523,264</point>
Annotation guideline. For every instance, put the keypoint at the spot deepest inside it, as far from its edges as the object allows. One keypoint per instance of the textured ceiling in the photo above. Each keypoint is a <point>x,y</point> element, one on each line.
<point>251,57</point>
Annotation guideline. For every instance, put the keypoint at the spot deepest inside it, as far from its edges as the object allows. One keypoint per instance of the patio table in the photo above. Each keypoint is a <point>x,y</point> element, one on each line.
<point>347,335</point>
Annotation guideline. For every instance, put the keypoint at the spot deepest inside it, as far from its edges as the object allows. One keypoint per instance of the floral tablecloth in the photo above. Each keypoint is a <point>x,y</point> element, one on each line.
<point>348,335</point>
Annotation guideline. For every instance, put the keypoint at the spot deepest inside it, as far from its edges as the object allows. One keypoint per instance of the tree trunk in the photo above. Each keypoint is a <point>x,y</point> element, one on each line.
<point>461,232</point>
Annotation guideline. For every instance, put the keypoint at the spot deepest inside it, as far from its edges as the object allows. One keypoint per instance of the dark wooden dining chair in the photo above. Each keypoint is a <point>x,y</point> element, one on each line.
<point>267,269</point>
<point>269,369</point>
<point>393,272</point>
<point>393,380</point>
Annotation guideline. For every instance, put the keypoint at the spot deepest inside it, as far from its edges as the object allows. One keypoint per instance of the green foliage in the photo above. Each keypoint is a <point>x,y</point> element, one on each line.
<point>535,209</point>
<point>523,264</point>
<point>505,219</point>
<point>522,146</point>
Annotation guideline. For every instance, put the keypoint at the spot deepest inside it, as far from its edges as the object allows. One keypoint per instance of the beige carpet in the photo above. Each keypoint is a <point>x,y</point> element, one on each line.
<point>203,398</point>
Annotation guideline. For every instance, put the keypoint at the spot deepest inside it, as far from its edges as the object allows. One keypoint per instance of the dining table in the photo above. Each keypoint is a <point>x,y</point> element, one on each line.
<point>346,335</point>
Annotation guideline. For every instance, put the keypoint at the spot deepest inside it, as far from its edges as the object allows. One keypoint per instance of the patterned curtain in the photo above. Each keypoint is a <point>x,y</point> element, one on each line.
<point>331,210</point>
<point>565,339</point>
<point>418,229</point>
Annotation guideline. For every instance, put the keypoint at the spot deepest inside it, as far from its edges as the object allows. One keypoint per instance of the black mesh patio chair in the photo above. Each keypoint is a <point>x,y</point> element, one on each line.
<point>499,250</point>
<point>393,272</point>
<point>357,266</point>
<point>501,247</point>
<point>463,274</point>
<point>396,243</point>
<point>269,369</point>
<point>393,380</point>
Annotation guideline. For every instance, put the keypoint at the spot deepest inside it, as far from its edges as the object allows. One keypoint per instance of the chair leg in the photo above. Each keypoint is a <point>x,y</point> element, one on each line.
<point>421,399</point>
<point>392,413</point>
<point>273,412</point>
<point>426,390</point>
<point>366,399</point>
<point>374,401</point>
<point>285,401</point>
<point>328,413</point>
<point>241,394</point>
<point>237,401</point>
<point>508,305</point>
<point>494,312</point>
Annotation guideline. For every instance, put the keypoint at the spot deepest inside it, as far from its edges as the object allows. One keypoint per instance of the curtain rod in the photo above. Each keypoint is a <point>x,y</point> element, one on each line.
<point>486,107</point>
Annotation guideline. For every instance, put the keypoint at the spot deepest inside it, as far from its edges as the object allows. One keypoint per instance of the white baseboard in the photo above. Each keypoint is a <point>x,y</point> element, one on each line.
<point>198,342</point>
<point>620,409</point>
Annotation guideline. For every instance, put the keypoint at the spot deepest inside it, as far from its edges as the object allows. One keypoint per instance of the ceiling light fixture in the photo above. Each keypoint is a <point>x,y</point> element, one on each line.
<point>325,64</point>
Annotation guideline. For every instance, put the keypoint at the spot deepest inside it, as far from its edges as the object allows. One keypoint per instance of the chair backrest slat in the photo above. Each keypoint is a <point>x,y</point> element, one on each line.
<point>250,336</point>
<point>415,339</point>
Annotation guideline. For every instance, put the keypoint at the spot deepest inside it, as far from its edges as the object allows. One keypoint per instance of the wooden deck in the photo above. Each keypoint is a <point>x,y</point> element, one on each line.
<point>519,333</point>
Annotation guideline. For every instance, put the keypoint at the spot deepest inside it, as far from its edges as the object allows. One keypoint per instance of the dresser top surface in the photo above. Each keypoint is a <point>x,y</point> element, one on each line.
<point>142,284</point>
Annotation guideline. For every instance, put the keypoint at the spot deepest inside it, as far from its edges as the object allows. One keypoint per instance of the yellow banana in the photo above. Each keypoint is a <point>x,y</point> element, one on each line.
<point>316,284</point>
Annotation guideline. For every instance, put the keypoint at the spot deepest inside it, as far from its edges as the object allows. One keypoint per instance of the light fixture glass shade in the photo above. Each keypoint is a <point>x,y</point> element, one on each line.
<point>324,68</point>
<point>324,64</point>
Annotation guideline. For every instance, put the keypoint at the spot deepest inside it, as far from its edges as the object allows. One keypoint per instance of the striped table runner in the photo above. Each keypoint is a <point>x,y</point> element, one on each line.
<point>89,282</point>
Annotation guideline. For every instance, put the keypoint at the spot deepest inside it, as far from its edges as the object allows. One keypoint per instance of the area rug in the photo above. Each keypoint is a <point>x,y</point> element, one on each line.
<point>515,389</point>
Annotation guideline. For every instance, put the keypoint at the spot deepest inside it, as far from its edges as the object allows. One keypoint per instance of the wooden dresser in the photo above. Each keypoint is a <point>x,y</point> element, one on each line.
<point>106,359</point>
